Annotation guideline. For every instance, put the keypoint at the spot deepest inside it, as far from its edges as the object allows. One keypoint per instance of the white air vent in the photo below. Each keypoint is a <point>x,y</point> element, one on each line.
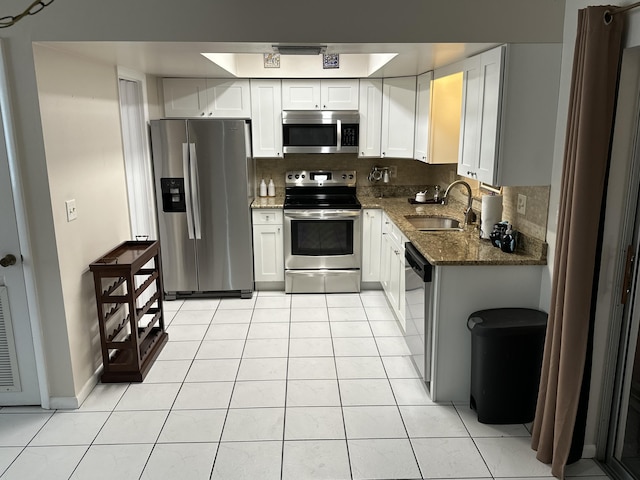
<point>9,377</point>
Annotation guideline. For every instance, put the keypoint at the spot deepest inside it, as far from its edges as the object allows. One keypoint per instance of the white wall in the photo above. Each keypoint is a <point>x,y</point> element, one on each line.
<point>81,126</point>
<point>374,21</point>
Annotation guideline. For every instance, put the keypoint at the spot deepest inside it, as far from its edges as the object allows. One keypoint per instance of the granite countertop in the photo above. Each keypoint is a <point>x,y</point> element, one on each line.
<point>268,202</point>
<point>455,247</point>
<point>443,247</point>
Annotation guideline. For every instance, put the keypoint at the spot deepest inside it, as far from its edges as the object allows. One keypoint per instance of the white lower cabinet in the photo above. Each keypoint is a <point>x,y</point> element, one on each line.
<point>392,267</point>
<point>457,292</point>
<point>268,246</point>
<point>371,244</point>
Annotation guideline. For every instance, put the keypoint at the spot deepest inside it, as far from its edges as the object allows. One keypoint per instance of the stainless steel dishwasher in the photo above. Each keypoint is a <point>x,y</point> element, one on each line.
<point>419,324</point>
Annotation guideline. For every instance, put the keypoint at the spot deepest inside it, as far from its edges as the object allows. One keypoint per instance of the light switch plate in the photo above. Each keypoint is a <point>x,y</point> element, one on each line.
<point>522,204</point>
<point>72,211</point>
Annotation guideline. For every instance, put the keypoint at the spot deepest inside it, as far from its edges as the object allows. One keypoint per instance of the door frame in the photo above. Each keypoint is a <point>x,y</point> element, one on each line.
<point>622,222</point>
<point>24,237</point>
<point>147,176</point>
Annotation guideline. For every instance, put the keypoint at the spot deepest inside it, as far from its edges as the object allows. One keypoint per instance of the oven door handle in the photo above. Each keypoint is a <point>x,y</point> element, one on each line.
<point>323,214</point>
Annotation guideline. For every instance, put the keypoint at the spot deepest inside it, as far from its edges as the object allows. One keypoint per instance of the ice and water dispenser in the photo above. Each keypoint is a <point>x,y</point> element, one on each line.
<point>173,195</point>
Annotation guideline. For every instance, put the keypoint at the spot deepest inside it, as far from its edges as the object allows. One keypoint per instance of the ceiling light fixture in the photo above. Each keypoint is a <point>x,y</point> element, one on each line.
<point>299,49</point>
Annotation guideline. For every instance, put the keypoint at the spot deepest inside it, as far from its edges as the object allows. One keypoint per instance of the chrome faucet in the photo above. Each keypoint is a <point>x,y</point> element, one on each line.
<point>469,216</point>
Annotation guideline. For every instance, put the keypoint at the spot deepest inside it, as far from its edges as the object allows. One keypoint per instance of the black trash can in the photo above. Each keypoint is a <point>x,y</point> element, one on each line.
<point>506,358</point>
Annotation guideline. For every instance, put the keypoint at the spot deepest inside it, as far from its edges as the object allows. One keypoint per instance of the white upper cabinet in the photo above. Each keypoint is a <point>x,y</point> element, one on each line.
<point>266,118</point>
<point>206,97</point>
<point>300,94</point>
<point>446,108</point>
<point>423,115</point>
<point>185,97</point>
<point>509,111</point>
<point>339,94</point>
<point>481,116</point>
<point>325,94</point>
<point>398,117</point>
<point>370,117</point>
<point>469,125</point>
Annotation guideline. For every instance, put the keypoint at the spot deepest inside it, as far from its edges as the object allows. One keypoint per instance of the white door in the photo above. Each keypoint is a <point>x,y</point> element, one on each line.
<point>18,374</point>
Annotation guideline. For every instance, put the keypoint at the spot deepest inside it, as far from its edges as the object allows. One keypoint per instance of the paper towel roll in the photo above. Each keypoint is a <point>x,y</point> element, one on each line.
<point>491,214</point>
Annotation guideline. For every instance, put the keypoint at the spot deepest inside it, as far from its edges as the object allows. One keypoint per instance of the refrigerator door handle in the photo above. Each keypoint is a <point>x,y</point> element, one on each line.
<point>195,191</point>
<point>187,189</point>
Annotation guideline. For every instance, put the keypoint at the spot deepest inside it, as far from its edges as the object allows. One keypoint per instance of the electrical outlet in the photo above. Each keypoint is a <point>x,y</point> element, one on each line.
<point>393,171</point>
<point>522,204</point>
<point>72,211</point>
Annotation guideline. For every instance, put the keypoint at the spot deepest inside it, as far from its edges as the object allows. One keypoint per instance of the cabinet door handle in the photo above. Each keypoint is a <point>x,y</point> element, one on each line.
<point>278,230</point>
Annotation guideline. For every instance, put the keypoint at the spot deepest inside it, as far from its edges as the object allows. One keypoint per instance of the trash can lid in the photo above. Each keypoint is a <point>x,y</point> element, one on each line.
<point>507,321</point>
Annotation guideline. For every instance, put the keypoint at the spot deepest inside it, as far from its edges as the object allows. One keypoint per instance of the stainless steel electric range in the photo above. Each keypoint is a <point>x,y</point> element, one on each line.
<point>322,232</point>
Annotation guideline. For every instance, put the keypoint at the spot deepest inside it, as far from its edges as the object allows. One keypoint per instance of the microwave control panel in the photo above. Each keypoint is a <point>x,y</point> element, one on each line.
<point>349,135</point>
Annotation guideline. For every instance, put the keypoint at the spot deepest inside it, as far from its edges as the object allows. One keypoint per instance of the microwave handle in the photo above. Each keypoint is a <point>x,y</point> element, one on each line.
<point>339,127</point>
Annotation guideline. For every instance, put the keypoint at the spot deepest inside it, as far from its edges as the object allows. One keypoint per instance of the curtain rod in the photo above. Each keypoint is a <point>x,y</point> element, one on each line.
<point>608,14</point>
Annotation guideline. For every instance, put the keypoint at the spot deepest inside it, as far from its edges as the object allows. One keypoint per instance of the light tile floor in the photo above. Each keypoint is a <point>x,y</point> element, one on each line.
<point>275,387</point>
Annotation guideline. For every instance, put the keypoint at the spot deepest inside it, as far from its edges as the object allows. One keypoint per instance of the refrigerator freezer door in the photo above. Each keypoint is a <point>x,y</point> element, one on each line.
<point>224,253</point>
<point>177,250</point>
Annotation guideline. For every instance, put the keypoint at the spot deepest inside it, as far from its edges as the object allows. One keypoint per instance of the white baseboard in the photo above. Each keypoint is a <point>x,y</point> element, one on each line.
<point>72,403</point>
<point>589,451</point>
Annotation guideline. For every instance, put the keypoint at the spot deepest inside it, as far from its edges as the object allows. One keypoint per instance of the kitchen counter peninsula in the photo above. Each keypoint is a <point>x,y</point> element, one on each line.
<point>455,247</point>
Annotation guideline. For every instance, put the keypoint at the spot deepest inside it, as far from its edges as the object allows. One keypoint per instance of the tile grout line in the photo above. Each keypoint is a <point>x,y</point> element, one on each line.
<point>344,423</point>
<point>415,457</point>
<point>226,416</point>
<point>155,443</point>
<point>286,388</point>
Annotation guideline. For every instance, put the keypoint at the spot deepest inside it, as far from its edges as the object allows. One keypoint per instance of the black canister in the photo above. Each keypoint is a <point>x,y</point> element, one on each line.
<point>508,241</point>
<point>496,235</point>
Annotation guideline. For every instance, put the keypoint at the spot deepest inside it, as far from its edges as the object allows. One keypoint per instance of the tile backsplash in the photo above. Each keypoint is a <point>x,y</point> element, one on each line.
<point>414,176</point>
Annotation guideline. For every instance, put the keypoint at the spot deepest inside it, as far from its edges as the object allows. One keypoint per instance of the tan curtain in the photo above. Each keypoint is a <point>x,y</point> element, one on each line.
<point>589,128</point>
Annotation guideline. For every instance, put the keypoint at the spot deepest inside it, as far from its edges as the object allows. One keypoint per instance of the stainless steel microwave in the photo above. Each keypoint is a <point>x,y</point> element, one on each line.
<point>320,131</point>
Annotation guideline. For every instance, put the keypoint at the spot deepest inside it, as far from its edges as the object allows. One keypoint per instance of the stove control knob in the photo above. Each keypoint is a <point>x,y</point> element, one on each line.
<point>344,177</point>
<point>290,176</point>
<point>303,176</point>
<point>351,177</point>
<point>297,176</point>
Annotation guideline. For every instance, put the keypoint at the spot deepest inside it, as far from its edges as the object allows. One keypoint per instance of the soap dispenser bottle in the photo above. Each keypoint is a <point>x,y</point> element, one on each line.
<point>263,188</point>
<point>271,188</point>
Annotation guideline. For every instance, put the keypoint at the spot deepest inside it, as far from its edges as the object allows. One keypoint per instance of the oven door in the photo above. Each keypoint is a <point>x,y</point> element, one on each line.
<point>322,239</point>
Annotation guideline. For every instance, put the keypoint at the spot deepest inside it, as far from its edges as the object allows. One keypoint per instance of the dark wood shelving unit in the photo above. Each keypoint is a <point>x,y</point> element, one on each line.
<point>128,285</point>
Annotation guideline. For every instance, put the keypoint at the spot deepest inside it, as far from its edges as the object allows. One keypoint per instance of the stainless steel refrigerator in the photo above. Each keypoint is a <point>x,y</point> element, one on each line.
<point>204,188</point>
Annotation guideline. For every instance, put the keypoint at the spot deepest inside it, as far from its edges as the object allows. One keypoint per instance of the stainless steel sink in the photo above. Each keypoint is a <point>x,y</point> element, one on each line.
<point>428,223</point>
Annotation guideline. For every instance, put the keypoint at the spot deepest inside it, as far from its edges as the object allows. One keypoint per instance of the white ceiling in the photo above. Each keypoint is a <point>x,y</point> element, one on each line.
<point>185,59</point>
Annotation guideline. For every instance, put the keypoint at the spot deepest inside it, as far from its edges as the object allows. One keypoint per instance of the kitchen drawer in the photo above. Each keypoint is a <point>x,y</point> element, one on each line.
<point>397,236</point>
<point>387,224</point>
<point>267,217</point>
